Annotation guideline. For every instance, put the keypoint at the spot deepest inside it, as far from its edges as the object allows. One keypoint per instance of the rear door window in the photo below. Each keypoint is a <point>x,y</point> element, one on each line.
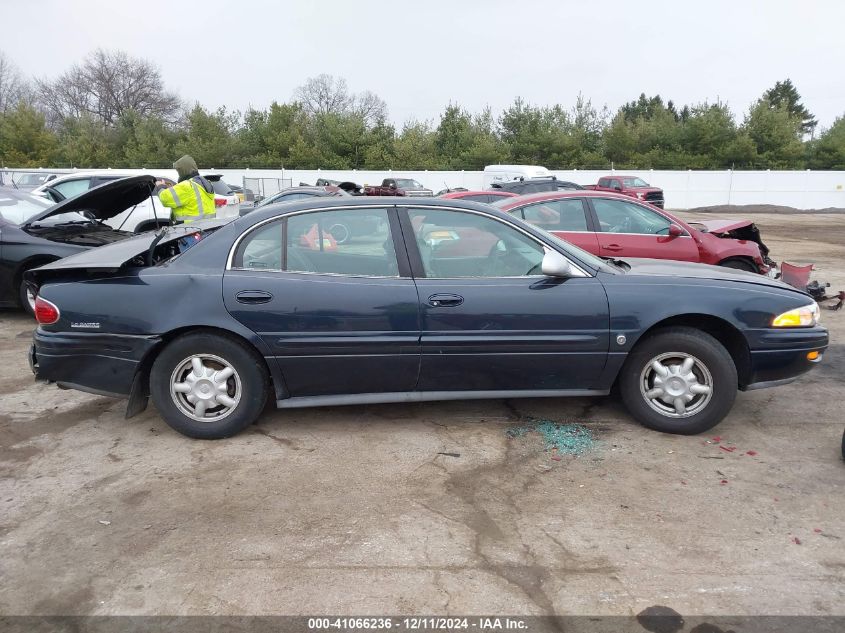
<point>72,188</point>
<point>344,242</point>
<point>557,215</point>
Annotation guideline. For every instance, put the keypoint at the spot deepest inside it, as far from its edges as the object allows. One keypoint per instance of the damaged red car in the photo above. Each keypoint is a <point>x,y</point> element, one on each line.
<point>613,225</point>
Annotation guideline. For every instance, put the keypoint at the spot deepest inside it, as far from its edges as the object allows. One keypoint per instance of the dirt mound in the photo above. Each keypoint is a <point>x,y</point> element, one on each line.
<point>763,208</point>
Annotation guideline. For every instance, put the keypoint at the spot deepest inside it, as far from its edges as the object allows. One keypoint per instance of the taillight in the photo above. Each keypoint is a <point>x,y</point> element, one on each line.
<point>46,313</point>
<point>220,202</point>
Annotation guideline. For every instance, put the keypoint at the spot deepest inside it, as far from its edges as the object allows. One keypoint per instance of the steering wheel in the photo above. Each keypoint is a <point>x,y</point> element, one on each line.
<point>623,227</point>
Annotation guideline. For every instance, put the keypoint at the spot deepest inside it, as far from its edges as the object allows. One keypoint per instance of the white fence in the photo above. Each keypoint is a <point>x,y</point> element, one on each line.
<point>682,189</point>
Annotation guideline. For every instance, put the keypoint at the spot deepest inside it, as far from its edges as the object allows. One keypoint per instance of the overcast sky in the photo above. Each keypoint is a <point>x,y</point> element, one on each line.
<point>419,56</point>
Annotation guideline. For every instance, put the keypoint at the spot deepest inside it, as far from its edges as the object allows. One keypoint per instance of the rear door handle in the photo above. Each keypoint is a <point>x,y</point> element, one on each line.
<point>253,297</point>
<point>445,300</point>
<point>612,247</point>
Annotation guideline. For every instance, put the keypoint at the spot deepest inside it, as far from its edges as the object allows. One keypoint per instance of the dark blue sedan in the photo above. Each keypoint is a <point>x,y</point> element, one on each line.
<point>362,300</point>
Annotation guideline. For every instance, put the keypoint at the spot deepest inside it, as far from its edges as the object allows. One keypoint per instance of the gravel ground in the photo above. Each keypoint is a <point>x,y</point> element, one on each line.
<point>430,508</point>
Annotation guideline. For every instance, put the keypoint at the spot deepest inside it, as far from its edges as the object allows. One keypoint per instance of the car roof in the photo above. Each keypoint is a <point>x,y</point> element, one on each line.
<point>556,195</point>
<point>487,192</point>
<point>284,208</point>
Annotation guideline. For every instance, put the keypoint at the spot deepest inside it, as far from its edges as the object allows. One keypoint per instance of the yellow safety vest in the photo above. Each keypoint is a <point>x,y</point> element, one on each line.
<point>189,201</point>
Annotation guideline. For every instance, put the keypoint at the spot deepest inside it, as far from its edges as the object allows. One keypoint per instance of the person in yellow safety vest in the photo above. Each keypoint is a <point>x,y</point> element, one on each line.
<point>192,198</point>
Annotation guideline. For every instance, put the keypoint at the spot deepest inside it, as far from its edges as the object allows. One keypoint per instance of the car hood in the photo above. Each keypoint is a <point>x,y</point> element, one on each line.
<point>720,226</point>
<point>106,201</point>
<point>669,268</point>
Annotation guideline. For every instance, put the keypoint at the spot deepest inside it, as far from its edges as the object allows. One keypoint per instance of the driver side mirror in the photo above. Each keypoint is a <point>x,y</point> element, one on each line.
<point>555,265</point>
<point>617,187</point>
<point>675,230</point>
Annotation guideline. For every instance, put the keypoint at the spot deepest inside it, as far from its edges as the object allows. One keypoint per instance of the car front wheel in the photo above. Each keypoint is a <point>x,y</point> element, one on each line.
<point>740,264</point>
<point>679,380</point>
<point>208,386</point>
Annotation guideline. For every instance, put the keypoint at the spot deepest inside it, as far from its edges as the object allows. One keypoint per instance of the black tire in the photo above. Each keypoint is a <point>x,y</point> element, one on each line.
<point>23,299</point>
<point>249,380</point>
<point>740,264</point>
<point>709,357</point>
<point>843,446</point>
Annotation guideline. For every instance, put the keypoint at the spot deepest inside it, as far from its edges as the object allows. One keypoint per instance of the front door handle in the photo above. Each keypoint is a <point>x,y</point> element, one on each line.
<point>445,300</point>
<point>612,247</point>
<point>252,297</point>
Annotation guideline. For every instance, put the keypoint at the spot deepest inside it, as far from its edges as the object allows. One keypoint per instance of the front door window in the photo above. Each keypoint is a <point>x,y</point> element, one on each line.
<point>456,244</point>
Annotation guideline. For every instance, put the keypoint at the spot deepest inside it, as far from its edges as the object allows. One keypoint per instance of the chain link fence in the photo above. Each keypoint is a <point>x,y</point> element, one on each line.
<point>258,189</point>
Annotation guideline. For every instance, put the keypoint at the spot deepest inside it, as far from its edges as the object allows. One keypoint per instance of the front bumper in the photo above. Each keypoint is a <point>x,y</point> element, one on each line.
<point>779,356</point>
<point>104,364</point>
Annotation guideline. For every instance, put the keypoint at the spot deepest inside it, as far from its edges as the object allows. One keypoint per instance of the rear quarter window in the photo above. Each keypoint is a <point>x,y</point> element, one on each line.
<point>221,188</point>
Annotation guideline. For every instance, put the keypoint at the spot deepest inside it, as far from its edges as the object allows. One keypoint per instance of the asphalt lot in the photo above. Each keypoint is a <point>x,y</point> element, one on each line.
<point>356,510</point>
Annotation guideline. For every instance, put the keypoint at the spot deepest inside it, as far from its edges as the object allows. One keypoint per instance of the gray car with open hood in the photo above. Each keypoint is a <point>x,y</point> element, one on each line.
<point>34,232</point>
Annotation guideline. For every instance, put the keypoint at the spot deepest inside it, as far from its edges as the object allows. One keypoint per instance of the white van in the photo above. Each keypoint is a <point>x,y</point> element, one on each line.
<point>506,173</point>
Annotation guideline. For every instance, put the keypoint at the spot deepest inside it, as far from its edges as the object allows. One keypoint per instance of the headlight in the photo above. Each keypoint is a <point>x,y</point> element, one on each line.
<point>805,316</point>
<point>640,195</point>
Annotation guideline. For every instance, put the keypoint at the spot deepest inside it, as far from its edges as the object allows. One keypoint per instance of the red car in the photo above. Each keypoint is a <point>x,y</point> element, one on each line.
<point>630,186</point>
<point>479,196</point>
<point>613,225</point>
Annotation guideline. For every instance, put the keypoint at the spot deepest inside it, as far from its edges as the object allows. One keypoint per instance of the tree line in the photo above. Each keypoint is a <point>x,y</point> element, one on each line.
<point>114,110</point>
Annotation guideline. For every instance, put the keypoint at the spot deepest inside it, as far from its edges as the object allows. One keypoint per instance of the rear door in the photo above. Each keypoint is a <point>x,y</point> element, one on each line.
<point>490,320</point>
<point>628,229</point>
<point>568,218</point>
<point>330,292</point>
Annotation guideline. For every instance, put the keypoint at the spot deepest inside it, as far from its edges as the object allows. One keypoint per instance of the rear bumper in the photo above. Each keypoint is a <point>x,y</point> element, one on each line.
<point>104,364</point>
<point>780,356</point>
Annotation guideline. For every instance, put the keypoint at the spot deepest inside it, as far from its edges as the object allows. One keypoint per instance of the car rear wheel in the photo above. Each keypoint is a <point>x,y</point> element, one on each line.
<point>679,380</point>
<point>27,298</point>
<point>740,264</point>
<point>208,386</point>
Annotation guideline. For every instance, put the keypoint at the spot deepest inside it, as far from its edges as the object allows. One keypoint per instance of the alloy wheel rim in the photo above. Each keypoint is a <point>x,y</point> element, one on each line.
<point>676,384</point>
<point>205,387</point>
<point>30,298</point>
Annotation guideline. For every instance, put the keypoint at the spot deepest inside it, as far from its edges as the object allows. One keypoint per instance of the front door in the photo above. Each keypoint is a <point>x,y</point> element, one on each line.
<point>330,293</point>
<point>490,320</point>
<point>628,229</point>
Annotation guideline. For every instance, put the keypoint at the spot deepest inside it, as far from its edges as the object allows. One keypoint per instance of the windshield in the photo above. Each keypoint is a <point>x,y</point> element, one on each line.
<point>634,182</point>
<point>408,183</point>
<point>221,188</point>
<point>18,208</point>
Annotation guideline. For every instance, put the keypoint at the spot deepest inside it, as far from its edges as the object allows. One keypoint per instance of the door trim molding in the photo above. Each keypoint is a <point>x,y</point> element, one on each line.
<point>301,402</point>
